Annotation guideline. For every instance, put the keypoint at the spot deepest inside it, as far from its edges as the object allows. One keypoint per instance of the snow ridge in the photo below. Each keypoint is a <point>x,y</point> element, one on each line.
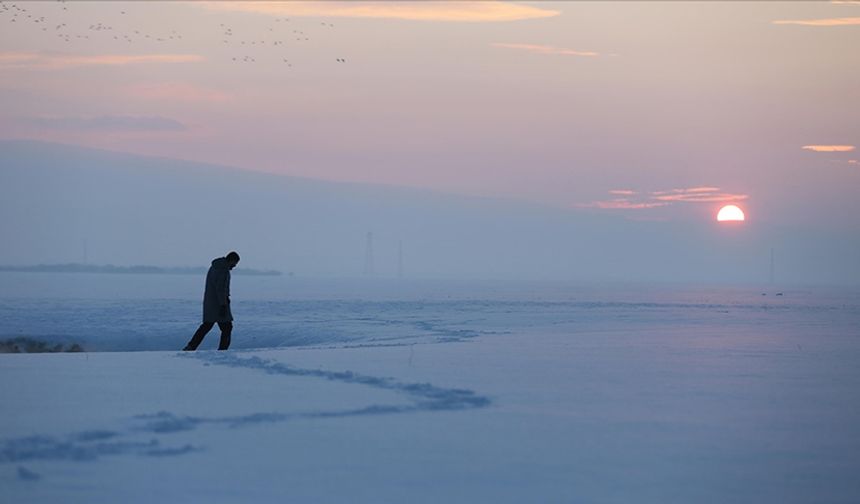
<point>425,395</point>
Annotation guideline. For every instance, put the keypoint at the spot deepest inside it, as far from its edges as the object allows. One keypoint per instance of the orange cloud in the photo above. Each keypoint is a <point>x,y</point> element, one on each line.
<point>7,58</point>
<point>829,148</point>
<point>689,190</point>
<point>702,198</point>
<point>177,91</point>
<point>654,199</point>
<point>46,61</point>
<point>545,49</point>
<point>704,189</point>
<point>821,22</point>
<point>622,204</point>
<point>485,11</point>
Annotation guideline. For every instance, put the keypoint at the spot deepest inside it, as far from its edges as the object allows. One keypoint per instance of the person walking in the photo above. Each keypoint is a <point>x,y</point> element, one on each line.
<point>216,302</point>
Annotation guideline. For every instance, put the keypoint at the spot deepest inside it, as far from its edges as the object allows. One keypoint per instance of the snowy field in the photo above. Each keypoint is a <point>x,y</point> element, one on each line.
<point>384,391</point>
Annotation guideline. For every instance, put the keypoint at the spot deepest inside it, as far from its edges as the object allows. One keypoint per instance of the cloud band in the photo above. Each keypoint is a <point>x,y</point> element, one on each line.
<point>481,12</point>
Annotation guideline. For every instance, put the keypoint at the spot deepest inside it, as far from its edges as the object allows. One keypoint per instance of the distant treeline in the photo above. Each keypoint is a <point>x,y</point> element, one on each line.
<point>109,268</point>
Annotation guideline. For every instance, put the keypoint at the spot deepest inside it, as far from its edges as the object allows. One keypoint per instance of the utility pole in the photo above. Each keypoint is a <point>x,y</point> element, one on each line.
<point>368,256</point>
<point>771,277</point>
<point>400,259</point>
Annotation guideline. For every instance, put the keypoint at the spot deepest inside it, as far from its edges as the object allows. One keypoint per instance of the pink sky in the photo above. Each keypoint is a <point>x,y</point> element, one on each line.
<point>603,107</point>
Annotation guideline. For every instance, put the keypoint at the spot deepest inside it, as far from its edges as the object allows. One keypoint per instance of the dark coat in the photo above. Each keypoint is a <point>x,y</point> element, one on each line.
<point>217,292</point>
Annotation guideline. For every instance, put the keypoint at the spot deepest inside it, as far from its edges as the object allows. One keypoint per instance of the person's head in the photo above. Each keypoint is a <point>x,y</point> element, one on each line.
<point>232,259</point>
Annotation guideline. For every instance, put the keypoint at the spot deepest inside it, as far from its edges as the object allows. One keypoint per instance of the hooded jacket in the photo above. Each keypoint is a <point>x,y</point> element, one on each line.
<point>217,292</point>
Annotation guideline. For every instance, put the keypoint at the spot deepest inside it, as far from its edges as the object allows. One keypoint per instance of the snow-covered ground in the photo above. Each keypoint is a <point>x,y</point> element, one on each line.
<point>554,395</point>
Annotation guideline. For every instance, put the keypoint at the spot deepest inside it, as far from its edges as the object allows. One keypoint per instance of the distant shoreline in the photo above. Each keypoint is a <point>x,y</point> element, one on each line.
<point>126,270</point>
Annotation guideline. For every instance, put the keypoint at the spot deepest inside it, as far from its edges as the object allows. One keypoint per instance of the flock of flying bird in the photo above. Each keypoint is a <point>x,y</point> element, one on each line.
<point>247,49</point>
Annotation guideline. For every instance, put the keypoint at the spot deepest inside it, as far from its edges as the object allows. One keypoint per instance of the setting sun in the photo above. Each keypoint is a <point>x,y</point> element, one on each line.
<point>730,213</point>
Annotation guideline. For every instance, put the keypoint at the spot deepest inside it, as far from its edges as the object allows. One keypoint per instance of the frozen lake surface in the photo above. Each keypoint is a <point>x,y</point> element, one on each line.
<point>407,391</point>
<point>160,312</point>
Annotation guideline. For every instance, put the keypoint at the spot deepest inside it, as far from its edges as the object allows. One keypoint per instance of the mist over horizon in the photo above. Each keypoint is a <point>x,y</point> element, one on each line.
<point>74,205</point>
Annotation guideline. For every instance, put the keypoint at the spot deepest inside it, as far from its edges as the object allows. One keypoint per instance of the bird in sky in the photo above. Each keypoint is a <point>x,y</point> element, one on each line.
<point>95,31</point>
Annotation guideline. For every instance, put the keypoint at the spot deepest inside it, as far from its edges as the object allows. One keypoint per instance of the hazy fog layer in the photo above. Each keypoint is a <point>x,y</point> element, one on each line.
<point>70,204</point>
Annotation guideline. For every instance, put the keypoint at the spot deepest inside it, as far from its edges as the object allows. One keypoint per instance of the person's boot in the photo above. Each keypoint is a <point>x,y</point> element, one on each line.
<point>226,331</point>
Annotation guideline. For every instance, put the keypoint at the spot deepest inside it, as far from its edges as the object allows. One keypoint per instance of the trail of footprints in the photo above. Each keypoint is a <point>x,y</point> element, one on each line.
<point>147,432</point>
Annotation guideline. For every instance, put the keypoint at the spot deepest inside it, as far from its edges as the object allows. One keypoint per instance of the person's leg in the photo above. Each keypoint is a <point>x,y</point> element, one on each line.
<point>226,330</point>
<point>198,336</point>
